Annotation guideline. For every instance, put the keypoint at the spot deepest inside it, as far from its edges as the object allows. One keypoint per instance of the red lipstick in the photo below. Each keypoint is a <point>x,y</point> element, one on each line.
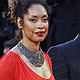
<point>40,33</point>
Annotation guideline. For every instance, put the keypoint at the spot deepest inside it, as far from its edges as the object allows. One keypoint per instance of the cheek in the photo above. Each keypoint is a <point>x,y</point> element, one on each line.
<point>29,29</point>
<point>28,26</point>
<point>47,27</point>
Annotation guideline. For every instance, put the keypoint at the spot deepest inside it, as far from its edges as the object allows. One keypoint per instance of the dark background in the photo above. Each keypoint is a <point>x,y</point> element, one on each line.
<point>64,23</point>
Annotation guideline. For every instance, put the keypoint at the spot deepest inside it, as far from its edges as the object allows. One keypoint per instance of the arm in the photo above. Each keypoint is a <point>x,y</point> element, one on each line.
<point>59,64</point>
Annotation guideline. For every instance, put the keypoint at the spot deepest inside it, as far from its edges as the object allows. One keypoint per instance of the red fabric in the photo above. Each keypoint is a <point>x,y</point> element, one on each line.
<point>12,67</point>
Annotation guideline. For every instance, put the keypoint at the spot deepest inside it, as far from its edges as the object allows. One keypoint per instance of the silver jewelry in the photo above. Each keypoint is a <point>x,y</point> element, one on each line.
<point>36,58</point>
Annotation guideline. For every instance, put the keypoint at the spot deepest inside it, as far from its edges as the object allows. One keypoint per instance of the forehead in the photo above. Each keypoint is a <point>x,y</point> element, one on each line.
<point>37,9</point>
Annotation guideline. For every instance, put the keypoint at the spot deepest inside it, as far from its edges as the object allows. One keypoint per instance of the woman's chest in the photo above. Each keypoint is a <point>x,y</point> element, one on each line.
<point>26,70</point>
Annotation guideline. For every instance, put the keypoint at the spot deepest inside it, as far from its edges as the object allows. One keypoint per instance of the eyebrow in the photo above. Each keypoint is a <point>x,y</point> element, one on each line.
<point>45,15</point>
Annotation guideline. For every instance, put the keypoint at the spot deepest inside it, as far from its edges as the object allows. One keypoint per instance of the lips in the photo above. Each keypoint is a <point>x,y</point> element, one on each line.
<point>40,33</point>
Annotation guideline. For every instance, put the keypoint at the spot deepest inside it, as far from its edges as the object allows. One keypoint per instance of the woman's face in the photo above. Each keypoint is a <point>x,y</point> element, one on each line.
<point>35,27</point>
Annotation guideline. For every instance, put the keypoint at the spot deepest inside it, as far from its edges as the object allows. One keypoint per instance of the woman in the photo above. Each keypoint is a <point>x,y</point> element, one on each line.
<point>27,61</point>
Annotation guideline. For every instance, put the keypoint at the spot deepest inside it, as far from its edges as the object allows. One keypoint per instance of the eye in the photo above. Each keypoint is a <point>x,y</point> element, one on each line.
<point>33,20</point>
<point>45,19</point>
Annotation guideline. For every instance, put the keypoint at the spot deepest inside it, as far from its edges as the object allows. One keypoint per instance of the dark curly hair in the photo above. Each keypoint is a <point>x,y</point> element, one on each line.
<point>19,8</point>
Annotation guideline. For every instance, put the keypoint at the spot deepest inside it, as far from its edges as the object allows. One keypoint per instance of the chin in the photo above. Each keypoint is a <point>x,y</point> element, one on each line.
<point>42,39</point>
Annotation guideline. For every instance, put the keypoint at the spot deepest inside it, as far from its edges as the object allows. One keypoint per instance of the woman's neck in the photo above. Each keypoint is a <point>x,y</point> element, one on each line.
<point>31,45</point>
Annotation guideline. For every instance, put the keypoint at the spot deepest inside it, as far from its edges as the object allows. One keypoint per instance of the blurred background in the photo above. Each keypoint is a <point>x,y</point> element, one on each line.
<point>64,24</point>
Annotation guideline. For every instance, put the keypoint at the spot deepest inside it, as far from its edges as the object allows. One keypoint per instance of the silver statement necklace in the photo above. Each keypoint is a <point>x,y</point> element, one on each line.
<point>36,58</point>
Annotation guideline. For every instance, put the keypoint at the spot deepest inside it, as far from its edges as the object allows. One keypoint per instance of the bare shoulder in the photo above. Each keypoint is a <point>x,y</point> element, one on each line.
<point>15,49</point>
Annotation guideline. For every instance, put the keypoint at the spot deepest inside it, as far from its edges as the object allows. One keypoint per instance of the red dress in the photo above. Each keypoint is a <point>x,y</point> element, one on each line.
<point>12,67</point>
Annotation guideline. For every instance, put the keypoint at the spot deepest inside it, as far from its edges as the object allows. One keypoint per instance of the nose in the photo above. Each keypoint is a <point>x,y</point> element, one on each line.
<point>40,25</point>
